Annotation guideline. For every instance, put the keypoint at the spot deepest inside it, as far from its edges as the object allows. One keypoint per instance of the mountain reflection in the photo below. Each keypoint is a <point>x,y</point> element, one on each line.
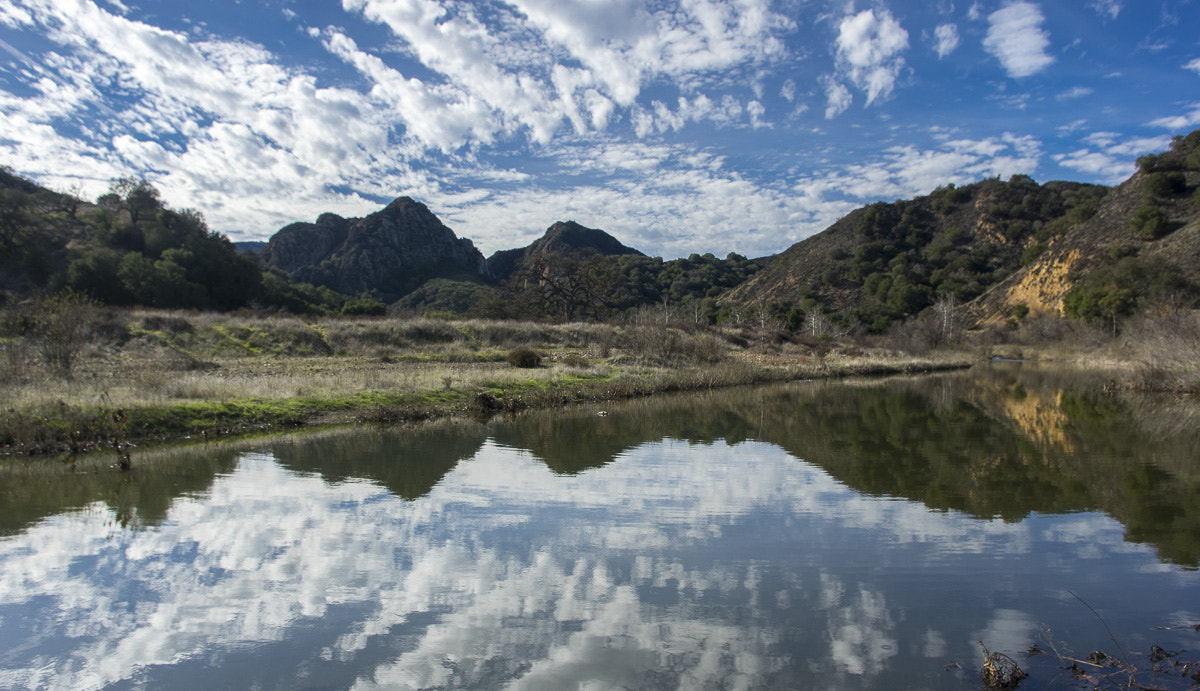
<point>836,535</point>
<point>999,441</point>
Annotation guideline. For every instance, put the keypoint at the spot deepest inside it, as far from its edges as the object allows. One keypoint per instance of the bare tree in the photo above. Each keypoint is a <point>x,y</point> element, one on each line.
<point>817,324</point>
<point>572,284</point>
<point>61,329</point>
<point>948,312</point>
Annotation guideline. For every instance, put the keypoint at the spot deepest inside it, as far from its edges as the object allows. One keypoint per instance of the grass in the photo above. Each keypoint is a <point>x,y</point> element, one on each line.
<point>178,375</point>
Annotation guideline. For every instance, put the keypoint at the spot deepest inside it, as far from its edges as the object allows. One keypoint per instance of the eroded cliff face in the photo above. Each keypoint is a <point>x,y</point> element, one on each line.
<point>388,253</point>
<point>1041,288</point>
<point>305,244</point>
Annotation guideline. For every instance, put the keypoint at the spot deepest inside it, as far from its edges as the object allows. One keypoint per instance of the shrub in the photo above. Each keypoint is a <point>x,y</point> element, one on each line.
<point>364,307</point>
<point>575,360</point>
<point>525,358</point>
<point>1150,222</point>
<point>1162,184</point>
<point>61,328</point>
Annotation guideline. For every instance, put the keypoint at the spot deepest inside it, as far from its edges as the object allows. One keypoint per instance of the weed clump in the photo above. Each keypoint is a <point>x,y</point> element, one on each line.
<point>1000,671</point>
<point>525,358</point>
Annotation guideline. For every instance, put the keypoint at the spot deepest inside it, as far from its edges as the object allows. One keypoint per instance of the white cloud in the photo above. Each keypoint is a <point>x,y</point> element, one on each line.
<point>1193,65</point>
<point>756,111</point>
<point>945,39</point>
<point>869,49</point>
<point>1100,165</point>
<point>1180,123</point>
<point>1015,37</point>
<point>906,171</point>
<point>1110,157</point>
<point>837,97</point>
<point>1075,92</point>
<point>1108,8</point>
<point>788,91</point>
<point>577,61</point>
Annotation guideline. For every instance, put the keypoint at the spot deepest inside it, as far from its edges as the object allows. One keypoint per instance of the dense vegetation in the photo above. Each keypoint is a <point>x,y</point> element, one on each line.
<point>892,261</point>
<point>129,248</point>
<point>875,270</point>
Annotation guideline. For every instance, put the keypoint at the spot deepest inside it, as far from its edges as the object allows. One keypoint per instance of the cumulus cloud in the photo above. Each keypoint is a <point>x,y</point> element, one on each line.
<point>906,171</point>
<point>576,61</point>
<point>945,39</point>
<point>1016,38</point>
<point>189,105</point>
<point>869,52</point>
<point>1193,65</point>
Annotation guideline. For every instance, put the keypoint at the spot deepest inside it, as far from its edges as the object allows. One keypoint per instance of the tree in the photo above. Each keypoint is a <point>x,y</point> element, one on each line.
<point>137,196</point>
<point>572,285</point>
<point>61,327</point>
<point>96,273</point>
<point>14,217</point>
<point>949,317</point>
<point>1150,222</point>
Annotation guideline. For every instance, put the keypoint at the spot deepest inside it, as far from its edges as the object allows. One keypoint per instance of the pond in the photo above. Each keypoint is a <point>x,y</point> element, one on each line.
<point>845,535</point>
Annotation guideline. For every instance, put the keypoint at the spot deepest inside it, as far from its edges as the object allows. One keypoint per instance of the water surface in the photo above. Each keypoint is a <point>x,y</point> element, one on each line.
<point>814,535</point>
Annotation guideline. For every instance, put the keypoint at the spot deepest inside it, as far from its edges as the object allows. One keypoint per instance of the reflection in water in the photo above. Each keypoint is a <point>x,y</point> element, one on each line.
<point>748,540</point>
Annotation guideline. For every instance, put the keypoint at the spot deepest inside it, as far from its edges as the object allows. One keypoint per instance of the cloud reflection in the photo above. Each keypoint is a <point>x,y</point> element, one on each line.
<point>676,565</point>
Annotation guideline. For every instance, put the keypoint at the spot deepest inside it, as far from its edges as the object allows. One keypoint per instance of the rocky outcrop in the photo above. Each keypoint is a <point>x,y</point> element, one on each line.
<point>386,254</point>
<point>564,236</point>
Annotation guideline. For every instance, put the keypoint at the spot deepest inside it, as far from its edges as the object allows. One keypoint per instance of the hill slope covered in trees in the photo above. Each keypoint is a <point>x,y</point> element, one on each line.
<point>1003,250</point>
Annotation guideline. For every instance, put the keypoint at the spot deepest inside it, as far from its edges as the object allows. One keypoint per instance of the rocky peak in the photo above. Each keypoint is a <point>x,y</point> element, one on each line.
<point>388,253</point>
<point>563,236</point>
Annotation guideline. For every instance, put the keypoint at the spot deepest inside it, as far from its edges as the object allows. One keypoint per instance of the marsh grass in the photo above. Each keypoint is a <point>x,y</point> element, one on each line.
<point>177,373</point>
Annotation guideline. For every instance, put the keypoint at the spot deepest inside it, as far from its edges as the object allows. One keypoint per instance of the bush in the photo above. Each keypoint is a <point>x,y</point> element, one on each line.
<point>524,358</point>
<point>62,328</point>
<point>1161,185</point>
<point>1150,222</point>
<point>363,307</point>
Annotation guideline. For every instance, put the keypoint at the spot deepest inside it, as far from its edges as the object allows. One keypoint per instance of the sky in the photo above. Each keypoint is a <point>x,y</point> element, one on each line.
<point>678,126</point>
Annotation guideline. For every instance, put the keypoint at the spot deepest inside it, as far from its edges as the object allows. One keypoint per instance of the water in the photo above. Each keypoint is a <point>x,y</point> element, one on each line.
<point>814,535</point>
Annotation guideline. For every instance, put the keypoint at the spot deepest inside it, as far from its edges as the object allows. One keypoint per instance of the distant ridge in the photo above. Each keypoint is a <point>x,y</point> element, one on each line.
<point>386,254</point>
<point>563,236</point>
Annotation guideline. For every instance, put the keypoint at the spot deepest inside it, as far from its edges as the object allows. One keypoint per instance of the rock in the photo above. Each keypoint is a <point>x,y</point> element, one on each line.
<point>386,254</point>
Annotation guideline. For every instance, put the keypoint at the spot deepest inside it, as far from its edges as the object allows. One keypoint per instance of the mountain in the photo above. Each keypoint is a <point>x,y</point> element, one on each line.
<point>250,246</point>
<point>887,261</point>
<point>388,253</point>
<point>564,236</point>
<point>1143,240</point>
<point>1003,249</point>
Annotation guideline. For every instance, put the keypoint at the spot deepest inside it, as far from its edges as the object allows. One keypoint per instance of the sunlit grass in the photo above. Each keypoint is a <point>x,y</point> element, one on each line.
<point>177,373</point>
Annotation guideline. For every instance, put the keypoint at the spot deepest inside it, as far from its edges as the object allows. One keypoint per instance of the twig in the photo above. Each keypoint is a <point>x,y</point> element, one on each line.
<point>1111,637</point>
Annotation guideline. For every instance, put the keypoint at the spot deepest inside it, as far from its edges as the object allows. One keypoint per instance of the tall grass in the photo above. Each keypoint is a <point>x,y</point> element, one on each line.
<point>178,372</point>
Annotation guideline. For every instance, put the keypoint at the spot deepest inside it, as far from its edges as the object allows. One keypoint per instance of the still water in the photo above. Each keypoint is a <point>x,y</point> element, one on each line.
<point>845,535</point>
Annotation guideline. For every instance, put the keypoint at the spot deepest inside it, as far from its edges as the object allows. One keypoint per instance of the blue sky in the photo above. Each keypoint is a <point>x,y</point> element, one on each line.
<point>678,126</point>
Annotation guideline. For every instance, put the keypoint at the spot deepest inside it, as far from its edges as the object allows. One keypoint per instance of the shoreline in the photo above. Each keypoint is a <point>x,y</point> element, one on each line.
<point>71,430</point>
<point>153,377</point>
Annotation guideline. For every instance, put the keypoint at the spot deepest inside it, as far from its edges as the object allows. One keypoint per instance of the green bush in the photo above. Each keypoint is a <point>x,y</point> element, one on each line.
<point>1150,222</point>
<point>1162,185</point>
<point>364,307</point>
<point>524,358</point>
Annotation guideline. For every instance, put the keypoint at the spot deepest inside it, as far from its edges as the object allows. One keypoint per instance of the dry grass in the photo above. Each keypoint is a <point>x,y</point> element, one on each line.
<point>171,371</point>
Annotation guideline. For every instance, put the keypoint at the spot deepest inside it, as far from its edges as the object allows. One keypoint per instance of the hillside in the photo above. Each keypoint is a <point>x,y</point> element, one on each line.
<point>887,261</point>
<point>1003,249</point>
<point>562,237</point>
<point>386,254</point>
<point>1143,239</point>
